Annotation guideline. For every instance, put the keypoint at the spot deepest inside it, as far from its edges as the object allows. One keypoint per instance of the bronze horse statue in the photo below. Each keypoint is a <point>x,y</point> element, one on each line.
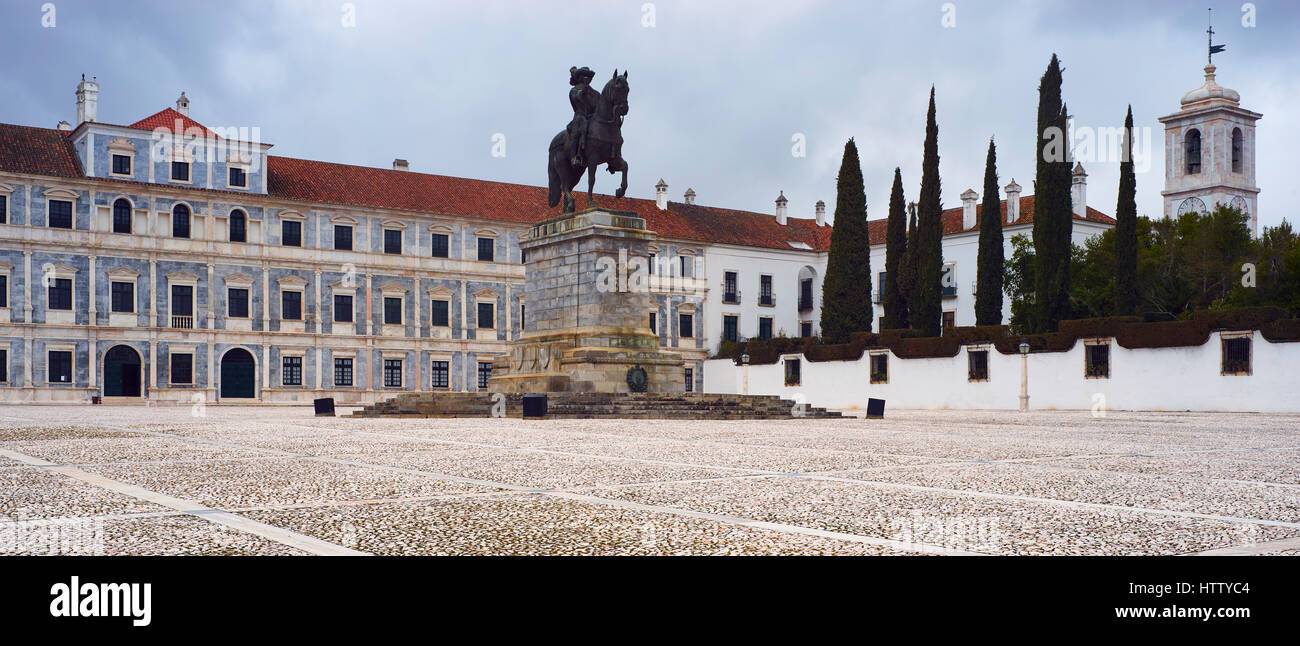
<point>604,145</point>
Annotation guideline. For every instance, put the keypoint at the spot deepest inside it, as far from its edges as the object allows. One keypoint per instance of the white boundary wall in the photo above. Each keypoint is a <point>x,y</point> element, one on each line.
<point>1160,379</point>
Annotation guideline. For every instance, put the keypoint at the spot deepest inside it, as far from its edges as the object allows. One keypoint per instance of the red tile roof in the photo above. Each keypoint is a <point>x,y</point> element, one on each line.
<point>167,120</point>
<point>38,151</point>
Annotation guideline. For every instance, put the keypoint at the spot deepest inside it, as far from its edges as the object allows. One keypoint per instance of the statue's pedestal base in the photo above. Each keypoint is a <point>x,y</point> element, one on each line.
<point>587,362</point>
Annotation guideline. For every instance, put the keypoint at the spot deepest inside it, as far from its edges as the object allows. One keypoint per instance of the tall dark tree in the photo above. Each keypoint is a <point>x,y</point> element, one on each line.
<point>988,281</point>
<point>907,268</point>
<point>1052,210</point>
<point>1126,240</point>
<point>895,249</point>
<point>924,303</point>
<point>846,291</point>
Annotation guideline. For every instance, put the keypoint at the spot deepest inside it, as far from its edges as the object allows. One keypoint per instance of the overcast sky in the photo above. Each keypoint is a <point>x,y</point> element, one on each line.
<point>718,89</point>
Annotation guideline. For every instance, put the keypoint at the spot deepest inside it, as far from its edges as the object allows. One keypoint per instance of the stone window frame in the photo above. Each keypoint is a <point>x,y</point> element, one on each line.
<point>71,349</point>
<point>295,352</point>
<point>392,355</point>
<point>440,293</point>
<point>177,349</point>
<point>988,363</point>
<point>123,275</point>
<point>687,309</point>
<point>189,225</point>
<point>342,353</point>
<point>342,220</point>
<point>480,234</point>
<point>61,195</point>
<point>121,146</point>
<point>440,356</point>
<point>445,230</point>
<point>1229,335</point>
<point>184,279</point>
<point>387,291</point>
<point>482,296</point>
<point>871,372</point>
<point>478,373</point>
<point>948,264</point>
<point>392,225</point>
<point>229,217</point>
<point>235,160</point>
<point>60,271</point>
<point>292,283</point>
<point>696,259</point>
<point>179,153</point>
<point>4,365</point>
<point>771,328</point>
<point>293,216</point>
<point>1091,343</point>
<point>341,288</point>
<point>6,192</point>
<point>112,214</point>
<point>7,271</point>
<point>786,360</point>
<point>239,281</point>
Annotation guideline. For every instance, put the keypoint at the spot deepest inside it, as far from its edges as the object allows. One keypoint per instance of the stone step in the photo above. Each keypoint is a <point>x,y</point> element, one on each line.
<point>598,405</point>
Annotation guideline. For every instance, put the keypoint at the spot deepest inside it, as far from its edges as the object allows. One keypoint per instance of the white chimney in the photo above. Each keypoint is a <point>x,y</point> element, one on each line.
<point>1079,190</point>
<point>87,100</point>
<point>690,196</point>
<point>183,105</point>
<point>1013,201</point>
<point>821,213</point>
<point>401,164</point>
<point>968,200</point>
<point>780,208</point>
<point>661,195</point>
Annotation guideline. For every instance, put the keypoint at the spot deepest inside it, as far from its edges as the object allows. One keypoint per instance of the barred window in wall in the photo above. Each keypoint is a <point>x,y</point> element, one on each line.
<point>238,226</point>
<point>182,368</point>
<point>392,373</point>
<point>977,365</point>
<point>484,374</point>
<point>122,297</point>
<point>291,233</point>
<point>121,216</point>
<point>342,237</point>
<point>793,376</point>
<point>237,303</point>
<point>1236,356</point>
<point>60,294</point>
<point>439,311</point>
<point>690,380</point>
<point>343,371</point>
<point>60,214</point>
<point>291,306</point>
<point>4,366</point>
<point>392,311</point>
<point>342,308</point>
<point>60,366</point>
<point>440,245</point>
<point>291,375</point>
<point>1097,361</point>
<point>438,375</point>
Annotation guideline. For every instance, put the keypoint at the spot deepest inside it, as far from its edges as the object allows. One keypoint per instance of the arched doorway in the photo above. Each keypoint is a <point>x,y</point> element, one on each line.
<point>238,374</point>
<point>122,372</point>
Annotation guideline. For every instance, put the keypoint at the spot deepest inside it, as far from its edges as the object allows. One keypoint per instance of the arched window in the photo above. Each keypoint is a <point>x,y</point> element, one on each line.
<point>1236,150</point>
<point>121,216</point>
<point>238,226</point>
<point>180,221</point>
<point>1193,152</point>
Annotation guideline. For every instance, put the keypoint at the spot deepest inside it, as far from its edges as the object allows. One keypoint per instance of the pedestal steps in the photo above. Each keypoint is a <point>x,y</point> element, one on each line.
<point>599,406</point>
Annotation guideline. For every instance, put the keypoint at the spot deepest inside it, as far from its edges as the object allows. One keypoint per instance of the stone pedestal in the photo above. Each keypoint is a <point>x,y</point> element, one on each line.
<point>587,304</point>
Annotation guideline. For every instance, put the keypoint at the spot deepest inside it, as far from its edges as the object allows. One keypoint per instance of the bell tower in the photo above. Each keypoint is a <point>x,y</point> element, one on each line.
<point>1210,151</point>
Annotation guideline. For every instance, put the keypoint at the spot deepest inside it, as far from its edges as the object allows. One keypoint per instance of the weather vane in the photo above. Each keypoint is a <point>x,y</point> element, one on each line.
<point>1214,49</point>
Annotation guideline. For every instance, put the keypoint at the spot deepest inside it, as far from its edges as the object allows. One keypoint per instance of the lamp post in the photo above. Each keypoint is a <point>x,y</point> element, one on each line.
<point>1024,375</point>
<point>744,359</point>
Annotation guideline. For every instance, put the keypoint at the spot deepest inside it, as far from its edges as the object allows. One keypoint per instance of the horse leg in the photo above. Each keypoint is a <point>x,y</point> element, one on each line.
<point>622,189</point>
<point>591,185</point>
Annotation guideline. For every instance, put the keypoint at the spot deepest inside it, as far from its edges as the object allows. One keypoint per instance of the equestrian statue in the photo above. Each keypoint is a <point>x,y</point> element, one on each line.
<point>592,138</point>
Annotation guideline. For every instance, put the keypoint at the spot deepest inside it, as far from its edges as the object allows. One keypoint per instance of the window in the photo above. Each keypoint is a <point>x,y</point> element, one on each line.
<point>949,319</point>
<point>1097,361</point>
<point>392,241</point>
<point>438,317</point>
<point>792,376</point>
<point>343,371</point>
<point>342,308</point>
<point>4,366</point>
<point>122,297</point>
<point>686,326</point>
<point>653,270</point>
<point>440,245</point>
<point>392,310</point>
<point>765,327</point>
<point>439,374</point>
<point>4,290</point>
<point>878,296</point>
<point>486,315</point>
<point>4,209</point>
<point>180,171</point>
<point>487,249</point>
<point>977,365</point>
<point>291,306</point>
<point>690,380</point>
<point>237,303</point>
<point>1193,152</point>
<point>1236,355</point>
<point>60,214</point>
<point>1236,150</point>
<point>523,256</point>
<point>805,329</point>
<point>60,294</point>
<point>182,368</point>
<point>60,366</point>
<point>729,292</point>
<point>730,325</point>
<point>121,164</point>
<point>238,226</point>
<point>182,306</point>
<point>765,290</point>
<point>342,237</point>
<point>523,310</point>
<point>484,374</point>
<point>180,221</point>
<point>880,368</point>
<point>948,281</point>
<point>238,177</point>
<point>654,323</point>
<point>805,294</point>
<point>291,233</point>
<point>392,373</point>
<point>291,374</point>
<point>685,262</point>
<point>121,216</point>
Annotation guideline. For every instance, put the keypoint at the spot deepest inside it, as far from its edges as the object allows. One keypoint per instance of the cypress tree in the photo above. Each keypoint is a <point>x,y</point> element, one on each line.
<point>1126,296</point>
<point>1052,213</point>
<point>988,282</point>
<point>925,306</point>
<point>846,291</point>
<point>907,269</point>
<point>895,250</point>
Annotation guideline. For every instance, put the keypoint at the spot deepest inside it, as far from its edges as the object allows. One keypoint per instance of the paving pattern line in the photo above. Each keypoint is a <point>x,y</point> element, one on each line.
<point>270,532</point>
<point>1253,549</point>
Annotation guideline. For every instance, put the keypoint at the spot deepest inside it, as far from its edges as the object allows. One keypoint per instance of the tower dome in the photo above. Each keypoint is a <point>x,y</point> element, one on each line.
<point>1209,93</point>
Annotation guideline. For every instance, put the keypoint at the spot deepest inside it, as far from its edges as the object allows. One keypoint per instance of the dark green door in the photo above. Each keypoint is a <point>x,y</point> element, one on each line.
<point>238,374</point>
<point>121,372</point>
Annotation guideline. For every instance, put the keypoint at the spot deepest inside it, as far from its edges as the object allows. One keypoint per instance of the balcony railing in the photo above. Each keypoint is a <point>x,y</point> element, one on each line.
<point>805,304</point>
<point>731,297</point>
<point>183,322</point>
<point>766,300</point>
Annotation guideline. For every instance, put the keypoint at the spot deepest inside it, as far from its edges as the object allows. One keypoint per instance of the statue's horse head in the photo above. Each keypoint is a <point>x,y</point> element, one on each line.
<point>615,94</point>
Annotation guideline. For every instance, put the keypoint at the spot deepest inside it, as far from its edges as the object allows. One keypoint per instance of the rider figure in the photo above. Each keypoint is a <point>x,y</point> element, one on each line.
<point>584,100</point>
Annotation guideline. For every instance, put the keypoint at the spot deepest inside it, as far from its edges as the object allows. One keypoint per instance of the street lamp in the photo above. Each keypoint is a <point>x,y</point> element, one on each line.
<point>744,387</point>
<point>1024,375</point>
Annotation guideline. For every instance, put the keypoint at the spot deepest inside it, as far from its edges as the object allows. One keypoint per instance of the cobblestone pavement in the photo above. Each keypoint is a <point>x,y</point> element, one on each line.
<point>161,480</point>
